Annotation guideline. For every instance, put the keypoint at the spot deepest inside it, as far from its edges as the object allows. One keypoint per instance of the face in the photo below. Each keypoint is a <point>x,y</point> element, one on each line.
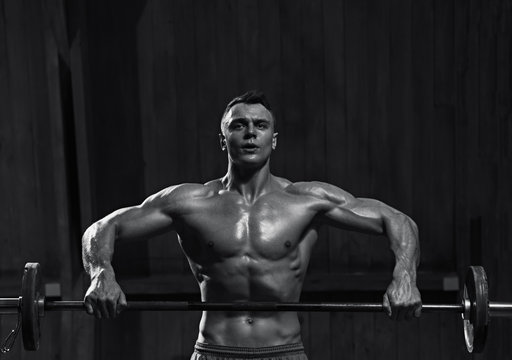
<point>248,134</point>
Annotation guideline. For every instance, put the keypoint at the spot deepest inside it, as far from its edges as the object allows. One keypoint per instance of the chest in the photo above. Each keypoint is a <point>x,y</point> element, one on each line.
<point>227,226</point>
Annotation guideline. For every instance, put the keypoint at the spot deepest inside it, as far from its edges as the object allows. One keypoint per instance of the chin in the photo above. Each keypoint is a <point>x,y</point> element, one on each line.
<point>250,161</point>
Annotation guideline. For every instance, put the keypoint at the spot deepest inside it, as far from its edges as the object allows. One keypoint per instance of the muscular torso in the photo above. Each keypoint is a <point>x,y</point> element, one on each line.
<point>241,251</point>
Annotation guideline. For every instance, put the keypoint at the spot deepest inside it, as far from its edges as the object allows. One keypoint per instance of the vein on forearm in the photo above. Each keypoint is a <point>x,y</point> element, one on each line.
<point>403,236</point>
<point>98,247</point>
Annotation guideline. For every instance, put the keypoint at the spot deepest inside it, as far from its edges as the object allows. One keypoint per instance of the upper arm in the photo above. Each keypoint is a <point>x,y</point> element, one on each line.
<point>152,217</point>
<point>343,210</point>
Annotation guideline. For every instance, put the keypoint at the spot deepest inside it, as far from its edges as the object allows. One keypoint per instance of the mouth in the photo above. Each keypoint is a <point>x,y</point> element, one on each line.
<point>250,147</point>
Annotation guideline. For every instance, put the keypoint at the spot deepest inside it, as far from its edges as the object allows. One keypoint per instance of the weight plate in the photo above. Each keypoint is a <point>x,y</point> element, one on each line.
<point>476,291</point>
<point>31,286</point>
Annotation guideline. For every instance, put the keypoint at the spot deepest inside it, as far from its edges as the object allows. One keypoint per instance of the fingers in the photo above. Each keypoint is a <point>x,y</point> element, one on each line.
<point>105,307</point>
<point>88,306</point>
<point>121,303</point>
<point>387,305</point>
<point>401,311</point>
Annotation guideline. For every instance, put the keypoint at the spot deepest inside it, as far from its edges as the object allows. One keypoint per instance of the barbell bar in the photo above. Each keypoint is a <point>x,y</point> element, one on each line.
<point>475,307</point>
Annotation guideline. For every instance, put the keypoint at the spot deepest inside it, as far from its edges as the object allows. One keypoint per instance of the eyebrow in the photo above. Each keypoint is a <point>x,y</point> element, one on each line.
<point>246,119</point>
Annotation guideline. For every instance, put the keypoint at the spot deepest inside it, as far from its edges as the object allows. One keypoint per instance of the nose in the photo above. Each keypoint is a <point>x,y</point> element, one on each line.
<point>250,131</point>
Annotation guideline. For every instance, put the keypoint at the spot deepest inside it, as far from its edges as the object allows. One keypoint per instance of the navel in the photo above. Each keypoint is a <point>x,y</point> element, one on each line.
<point>249,321</point>
<point>287,244</point>
<point>210,244</point>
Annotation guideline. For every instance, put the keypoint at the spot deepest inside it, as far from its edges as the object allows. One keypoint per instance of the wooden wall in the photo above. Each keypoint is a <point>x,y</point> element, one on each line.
<point>103,103</point>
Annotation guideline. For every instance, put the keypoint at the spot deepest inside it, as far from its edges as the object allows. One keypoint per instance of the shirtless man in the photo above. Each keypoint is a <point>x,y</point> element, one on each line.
<point>248,237</point>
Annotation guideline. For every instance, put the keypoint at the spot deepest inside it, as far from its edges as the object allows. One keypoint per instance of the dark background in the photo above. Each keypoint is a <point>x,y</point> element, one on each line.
<point>104,102</point>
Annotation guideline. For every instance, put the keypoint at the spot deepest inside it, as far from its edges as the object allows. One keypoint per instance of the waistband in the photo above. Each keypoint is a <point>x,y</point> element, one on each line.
<point>248,352</point>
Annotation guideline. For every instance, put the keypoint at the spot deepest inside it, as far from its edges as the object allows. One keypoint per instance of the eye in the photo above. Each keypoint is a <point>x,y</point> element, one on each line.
<point>236,126</point>
<point>262,125</point>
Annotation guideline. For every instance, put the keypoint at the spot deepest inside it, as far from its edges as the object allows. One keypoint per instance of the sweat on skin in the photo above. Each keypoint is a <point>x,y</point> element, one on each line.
<point>248,236</point>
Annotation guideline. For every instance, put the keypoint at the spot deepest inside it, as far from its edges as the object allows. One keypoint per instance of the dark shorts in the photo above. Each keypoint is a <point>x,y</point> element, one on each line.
<point>219,352</point>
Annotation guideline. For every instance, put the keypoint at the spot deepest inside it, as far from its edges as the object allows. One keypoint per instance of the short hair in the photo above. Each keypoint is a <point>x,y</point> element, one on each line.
<point>250,97</point>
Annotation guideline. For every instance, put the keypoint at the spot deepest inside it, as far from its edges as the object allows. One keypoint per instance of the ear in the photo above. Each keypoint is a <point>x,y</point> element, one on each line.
<point>274,141</point>
<point>222,140</point>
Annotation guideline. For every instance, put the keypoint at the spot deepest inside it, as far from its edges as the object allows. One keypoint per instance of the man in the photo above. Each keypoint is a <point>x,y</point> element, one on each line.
<point>248,237</point>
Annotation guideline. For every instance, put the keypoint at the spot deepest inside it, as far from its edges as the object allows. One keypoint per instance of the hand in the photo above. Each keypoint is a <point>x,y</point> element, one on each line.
<point>402,299</point>
<point>104,298</point>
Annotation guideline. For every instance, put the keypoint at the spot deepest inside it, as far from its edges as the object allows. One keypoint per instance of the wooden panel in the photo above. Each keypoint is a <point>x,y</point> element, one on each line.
<point>247,32</point>
<point>156,49</point>
<point>382,181</point>
<point>290,130</point>
<point>270,73</point>
<point>211,158</point>
<point>335,121</point>
<point>186,81</point>
<point>408,102</point>
<point>313,123</point>
<point>357,142</point>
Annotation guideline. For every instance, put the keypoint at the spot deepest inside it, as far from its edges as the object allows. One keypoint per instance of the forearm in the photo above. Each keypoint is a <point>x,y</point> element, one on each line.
<point>98,248</point>
<point>402,233</point>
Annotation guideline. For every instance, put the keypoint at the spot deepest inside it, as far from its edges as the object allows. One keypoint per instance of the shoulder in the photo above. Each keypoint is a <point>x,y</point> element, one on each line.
<point>182,192</point>
<point>320,190</point>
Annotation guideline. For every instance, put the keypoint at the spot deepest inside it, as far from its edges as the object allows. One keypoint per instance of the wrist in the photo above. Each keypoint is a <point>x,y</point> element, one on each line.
<point>403,272</point>
<point>104,271</point>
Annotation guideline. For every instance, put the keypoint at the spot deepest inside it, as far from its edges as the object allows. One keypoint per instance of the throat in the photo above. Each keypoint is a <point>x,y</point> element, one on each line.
<point>250,185</point>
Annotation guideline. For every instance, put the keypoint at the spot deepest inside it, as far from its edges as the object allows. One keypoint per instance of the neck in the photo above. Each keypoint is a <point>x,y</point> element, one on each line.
<point>251,183</point>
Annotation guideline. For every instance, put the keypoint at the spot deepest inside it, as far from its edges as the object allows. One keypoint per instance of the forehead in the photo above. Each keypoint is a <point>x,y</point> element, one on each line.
<point>248,111</point>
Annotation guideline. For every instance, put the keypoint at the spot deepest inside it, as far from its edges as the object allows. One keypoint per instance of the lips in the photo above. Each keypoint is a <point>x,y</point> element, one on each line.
<point>250,146</point>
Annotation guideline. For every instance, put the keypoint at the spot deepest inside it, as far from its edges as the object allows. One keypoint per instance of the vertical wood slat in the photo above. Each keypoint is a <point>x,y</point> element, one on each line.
<point>292,91</point>
<point>30,153</point>
<point>247,44</point>
<point>443,126</point>
<point>335,119</point>
<point>343,336</point>
<point>186,80</point>
<point>364,334</point>
<point>400,105</point>
<point>227,54</point>
<point>60,111</point>
<point>382,181</point>
<point>210,154</point>
<point>357,141</point>
<point>269,65</point>
<point>19,154</point>
<point>158,118</point>
<point>385,331</point>
<point>313,108</point>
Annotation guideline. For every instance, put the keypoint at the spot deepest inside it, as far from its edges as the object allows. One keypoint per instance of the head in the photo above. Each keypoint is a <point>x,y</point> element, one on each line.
<point>248,129</point>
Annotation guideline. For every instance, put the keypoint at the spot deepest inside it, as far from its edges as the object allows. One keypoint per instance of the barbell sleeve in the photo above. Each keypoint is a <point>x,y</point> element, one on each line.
<point>500,309</point>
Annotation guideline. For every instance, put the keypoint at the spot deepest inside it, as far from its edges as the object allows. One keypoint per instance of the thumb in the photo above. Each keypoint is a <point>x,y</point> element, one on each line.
<point>386,304</point>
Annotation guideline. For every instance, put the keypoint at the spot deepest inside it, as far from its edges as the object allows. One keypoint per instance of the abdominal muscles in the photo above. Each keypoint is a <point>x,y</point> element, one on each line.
<point>247,279</point>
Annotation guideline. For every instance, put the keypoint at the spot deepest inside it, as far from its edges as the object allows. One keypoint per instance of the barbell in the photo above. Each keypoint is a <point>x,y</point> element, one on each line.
<point>475,308</point>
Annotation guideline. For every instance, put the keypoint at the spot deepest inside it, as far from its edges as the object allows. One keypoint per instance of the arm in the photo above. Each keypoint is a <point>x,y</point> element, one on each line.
<point>104,297</point>
<point>341,209</point>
